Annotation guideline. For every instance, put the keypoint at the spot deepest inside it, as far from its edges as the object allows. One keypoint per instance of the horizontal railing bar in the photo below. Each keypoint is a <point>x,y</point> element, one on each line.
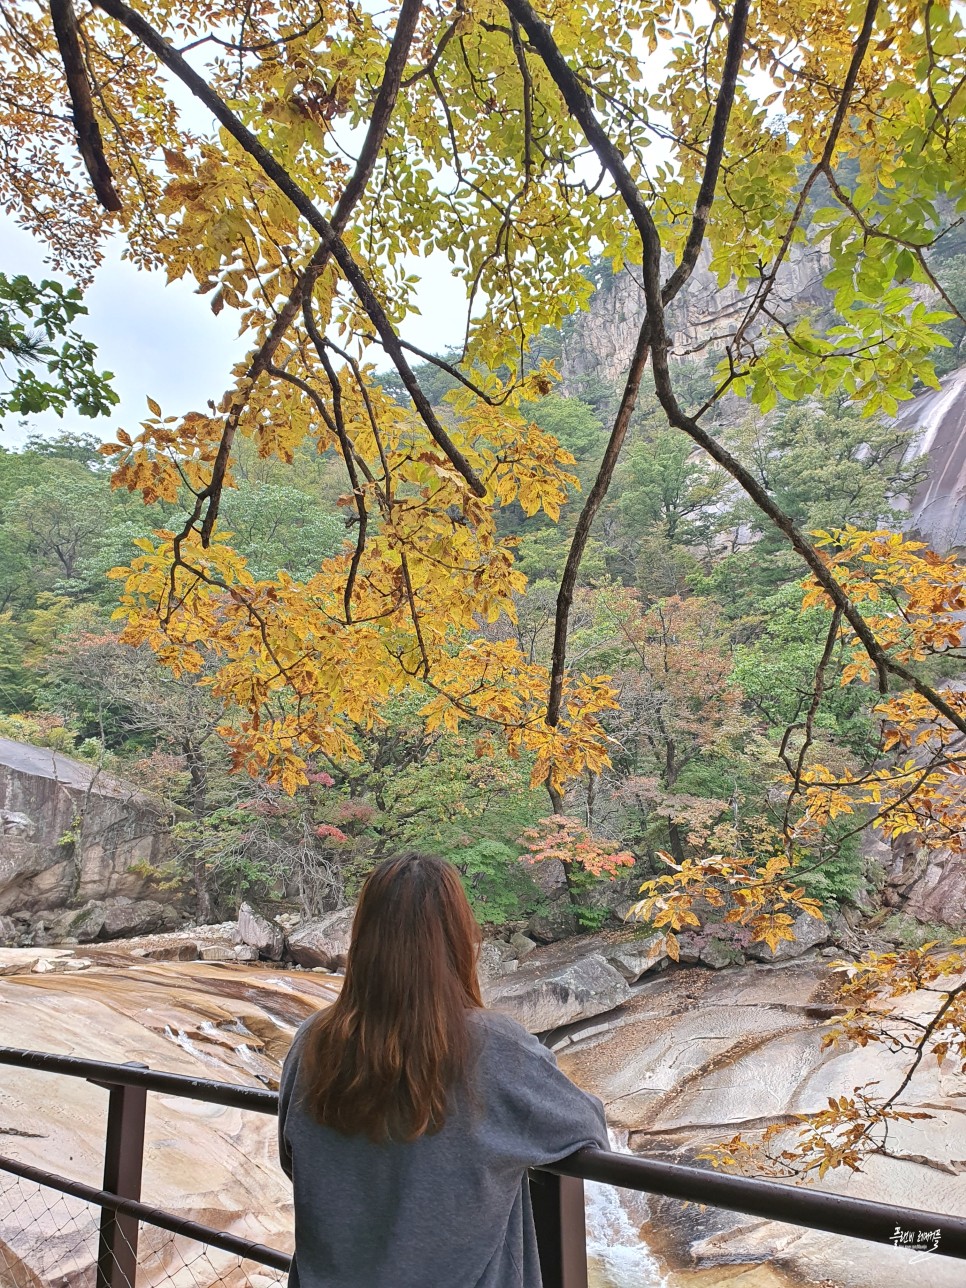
<point>173,1084</point>
<point>234,1243</point>
<point>818,1210</point>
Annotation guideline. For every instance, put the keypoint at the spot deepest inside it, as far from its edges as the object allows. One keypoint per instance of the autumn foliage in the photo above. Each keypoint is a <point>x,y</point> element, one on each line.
<point>569,842</point>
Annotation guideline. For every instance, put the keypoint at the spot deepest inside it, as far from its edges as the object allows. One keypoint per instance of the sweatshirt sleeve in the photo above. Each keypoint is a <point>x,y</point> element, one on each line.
<point>541,1116</point>
<point>286,1088</point>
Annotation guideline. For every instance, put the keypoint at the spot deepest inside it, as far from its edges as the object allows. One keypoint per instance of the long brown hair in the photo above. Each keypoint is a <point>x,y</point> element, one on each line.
<point>384,1057</point>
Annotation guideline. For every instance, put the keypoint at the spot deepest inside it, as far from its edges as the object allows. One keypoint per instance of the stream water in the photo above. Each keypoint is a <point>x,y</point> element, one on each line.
<point>617,1255</point>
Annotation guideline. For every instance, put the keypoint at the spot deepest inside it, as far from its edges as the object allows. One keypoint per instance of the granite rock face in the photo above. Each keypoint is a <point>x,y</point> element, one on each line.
<point>542,997</point>
<point>602,340</point>
<point>937,421</point>
<point>323,942</point>
<point>600,343</point>
<point>71,836</point>
<point>259,933</point>
<point>697,1056</point>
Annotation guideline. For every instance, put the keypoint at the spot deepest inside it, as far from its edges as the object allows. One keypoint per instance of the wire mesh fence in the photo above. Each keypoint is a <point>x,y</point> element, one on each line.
<point>46,1238</point>
<point>51,1240</point>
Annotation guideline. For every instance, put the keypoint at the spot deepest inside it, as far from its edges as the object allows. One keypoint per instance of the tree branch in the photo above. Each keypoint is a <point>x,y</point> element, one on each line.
<point>580,105</point>
<point>330,242</point>
<point>653,328</point>
<point>89,142</point>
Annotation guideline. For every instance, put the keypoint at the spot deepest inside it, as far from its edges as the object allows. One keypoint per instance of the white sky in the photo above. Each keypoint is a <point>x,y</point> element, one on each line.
<point>163,341</point>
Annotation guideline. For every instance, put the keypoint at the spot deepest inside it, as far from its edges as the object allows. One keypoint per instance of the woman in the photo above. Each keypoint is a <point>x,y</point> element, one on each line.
<point>408,1114</point>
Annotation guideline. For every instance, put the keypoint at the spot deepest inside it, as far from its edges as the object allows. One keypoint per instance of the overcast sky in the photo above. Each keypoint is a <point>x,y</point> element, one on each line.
<point>163,341</point>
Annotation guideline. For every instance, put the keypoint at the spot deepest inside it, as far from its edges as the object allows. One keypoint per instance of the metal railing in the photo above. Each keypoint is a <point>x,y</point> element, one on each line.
<point>557,1191</point>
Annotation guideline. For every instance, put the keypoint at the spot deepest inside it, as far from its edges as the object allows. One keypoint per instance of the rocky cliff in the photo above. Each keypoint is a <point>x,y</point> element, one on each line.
<point>600,342</point>
<point>937,420</point>
<point>76,847</point>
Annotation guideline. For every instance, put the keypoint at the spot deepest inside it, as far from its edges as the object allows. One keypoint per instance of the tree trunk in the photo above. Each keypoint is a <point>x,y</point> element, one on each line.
<point>677,841</point>
<point>198,801</point>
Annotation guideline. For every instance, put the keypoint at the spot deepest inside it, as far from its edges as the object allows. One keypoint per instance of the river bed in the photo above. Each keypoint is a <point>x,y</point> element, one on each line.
<point>694,1057</point>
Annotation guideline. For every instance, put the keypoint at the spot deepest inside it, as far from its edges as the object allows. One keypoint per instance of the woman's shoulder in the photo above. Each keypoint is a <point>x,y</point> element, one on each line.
<point>505,1034</point>
<point>298,1038</point>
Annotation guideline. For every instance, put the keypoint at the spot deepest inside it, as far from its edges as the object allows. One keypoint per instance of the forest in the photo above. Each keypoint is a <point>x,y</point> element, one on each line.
<point>686,599</point>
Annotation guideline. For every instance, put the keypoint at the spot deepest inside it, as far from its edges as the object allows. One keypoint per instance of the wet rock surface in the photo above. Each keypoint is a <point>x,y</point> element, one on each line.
<point>697,1056</point>
<point>217,1165</point>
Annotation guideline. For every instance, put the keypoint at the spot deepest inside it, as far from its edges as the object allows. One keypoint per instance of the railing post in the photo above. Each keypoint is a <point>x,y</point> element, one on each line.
<point>560,1222</point>
<point>117,1248</point>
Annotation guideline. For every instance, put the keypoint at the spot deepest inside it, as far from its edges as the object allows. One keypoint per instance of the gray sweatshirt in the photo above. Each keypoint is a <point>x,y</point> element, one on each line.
<point>445,1211</point>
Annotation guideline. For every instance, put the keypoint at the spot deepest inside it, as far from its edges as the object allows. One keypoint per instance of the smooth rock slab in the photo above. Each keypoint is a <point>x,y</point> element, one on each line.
<point>543,998</point>
<point>21,961</point>
<point>209,1162</point>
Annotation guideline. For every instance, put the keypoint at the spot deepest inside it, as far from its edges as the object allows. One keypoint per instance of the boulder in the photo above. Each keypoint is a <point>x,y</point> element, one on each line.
<point>635,957</point>
<point>324,942</point>
<point>718,953</point>
<point>689,949</point>
<point>521,945</point>
<point>259,933</point>
<point>217,953</point>
<point>496,958</point>
<point>808,932</point>
<point>69,925</point>
<point>123,917</point>
<point>185,951</point>
<point>8,932</point>
<point>245,953</point>
<point>545,997</point>
<point>556,922</point>
<point>117,918</point>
